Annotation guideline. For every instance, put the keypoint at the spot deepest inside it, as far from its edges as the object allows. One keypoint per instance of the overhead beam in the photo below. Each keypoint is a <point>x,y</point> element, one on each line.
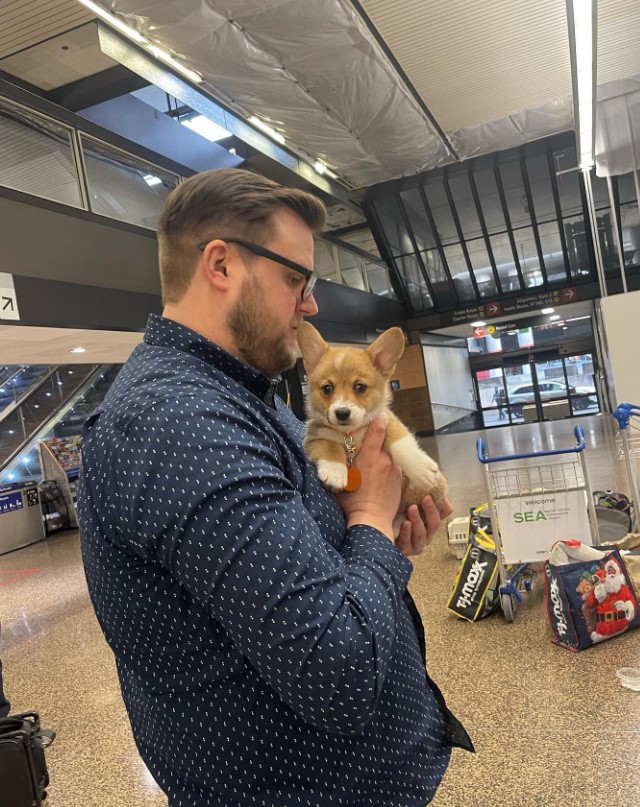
<point>96,89</point>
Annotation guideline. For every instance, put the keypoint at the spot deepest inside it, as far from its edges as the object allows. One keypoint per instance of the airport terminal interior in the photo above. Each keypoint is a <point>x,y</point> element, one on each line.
<point>479,164</point>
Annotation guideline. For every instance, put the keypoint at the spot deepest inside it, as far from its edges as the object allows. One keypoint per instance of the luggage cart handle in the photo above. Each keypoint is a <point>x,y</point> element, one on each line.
<point>624,412</point>
<point>579,446</point>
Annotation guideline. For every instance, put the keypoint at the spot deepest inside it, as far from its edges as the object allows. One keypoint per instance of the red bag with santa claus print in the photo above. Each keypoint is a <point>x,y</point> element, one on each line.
<point>590,597</point>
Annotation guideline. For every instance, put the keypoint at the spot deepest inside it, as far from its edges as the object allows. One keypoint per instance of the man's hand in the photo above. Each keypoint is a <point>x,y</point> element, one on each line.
<point>377,500</point>
<point>414,537</point>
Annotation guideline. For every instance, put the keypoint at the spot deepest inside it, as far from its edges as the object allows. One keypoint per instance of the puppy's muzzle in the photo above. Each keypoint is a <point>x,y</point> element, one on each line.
<point>342,415</point>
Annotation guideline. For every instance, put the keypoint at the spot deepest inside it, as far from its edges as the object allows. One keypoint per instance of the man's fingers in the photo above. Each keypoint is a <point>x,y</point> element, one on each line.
<point>445,508</point>
<point>374,437</point>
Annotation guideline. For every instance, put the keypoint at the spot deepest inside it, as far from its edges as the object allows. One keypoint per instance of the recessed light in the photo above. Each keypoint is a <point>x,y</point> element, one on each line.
<point>478,324</point>
<point>319,166</point>
<point>152,179</point>
<point>554,317</point>
<point>547,310</point>
<point>78,349</point>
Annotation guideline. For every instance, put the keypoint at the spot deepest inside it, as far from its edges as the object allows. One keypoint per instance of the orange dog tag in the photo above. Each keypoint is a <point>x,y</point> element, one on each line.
<point>353,479</point>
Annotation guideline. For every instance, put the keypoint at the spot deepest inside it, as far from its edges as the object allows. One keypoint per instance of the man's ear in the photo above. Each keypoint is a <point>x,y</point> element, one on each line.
<point>312,345</point>
<point>215,260</point>
<point>386,350</point>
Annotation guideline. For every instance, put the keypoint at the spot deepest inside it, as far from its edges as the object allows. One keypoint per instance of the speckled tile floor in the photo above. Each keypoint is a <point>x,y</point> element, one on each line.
<point>551,727</point>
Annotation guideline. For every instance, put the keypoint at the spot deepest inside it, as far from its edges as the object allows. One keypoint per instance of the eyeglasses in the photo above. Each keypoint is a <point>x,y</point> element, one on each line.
<point>307,289</point>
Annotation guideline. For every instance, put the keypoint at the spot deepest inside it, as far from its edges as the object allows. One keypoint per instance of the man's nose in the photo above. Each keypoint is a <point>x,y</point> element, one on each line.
<point>308,307</point>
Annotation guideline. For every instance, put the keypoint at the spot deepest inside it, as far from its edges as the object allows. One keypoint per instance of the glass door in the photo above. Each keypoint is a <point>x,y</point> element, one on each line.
<point>552,390</point>
<point>537,389</point>
<point>580,370</point>
<point>490,391</point>
<point>521,391</point>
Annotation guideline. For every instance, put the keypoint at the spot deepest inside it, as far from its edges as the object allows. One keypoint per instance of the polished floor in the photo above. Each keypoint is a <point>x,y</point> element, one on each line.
<point>551,727</point>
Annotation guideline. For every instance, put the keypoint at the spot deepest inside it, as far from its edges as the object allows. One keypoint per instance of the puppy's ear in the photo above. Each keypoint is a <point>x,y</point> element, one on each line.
<point>312,345</point>
<point>386,350</point>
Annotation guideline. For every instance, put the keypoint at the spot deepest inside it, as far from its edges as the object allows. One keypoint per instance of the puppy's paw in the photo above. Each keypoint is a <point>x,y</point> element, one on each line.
<point>333,474</point>
<point>427,475</point>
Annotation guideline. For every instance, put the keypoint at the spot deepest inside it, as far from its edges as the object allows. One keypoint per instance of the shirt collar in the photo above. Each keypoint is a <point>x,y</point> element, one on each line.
<point>164,332</point>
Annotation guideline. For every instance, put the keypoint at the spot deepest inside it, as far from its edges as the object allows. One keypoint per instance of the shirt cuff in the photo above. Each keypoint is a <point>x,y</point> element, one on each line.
<point>363,543</point>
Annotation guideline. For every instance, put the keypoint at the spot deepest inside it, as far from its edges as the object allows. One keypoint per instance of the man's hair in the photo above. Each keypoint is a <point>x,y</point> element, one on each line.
<point>224,202</point>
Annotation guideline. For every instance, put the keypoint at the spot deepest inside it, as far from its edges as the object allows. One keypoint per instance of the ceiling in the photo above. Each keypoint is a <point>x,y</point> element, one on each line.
<point>376,88</point>
<point>21,344</point>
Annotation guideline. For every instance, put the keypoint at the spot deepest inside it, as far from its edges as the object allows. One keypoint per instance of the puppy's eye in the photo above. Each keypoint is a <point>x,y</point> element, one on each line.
<point>327,389</point>
<point>360,388</point>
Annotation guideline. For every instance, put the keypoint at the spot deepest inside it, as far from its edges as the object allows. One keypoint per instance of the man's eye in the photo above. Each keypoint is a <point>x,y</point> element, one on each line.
<point>295,281</point>
<point>360,388</point>
<point>327,389</point>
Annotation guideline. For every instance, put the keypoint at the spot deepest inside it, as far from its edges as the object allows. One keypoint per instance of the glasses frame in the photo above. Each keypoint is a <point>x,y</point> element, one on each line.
<point>263,252</point>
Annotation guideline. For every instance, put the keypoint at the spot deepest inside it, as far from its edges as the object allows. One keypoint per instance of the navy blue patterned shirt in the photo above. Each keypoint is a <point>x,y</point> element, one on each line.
<point>265,652</point>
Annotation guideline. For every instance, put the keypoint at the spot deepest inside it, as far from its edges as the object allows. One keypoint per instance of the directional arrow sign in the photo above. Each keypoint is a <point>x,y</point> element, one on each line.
<point>493,309</point>
<point>8,299</point>
<point>569,294</point>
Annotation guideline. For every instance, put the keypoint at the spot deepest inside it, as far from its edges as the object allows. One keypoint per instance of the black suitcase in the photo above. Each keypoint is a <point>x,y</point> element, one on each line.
<point>23,769</point>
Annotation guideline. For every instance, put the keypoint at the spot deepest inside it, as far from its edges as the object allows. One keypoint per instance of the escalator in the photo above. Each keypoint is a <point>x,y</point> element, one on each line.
<point>56,406</point>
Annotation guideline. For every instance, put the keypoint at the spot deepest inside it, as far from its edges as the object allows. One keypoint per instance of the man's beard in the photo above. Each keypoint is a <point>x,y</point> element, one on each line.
<point>612,585</point>
<point>261,341</point>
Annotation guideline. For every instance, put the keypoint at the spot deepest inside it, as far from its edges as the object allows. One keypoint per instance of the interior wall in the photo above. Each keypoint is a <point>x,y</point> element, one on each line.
<point>619,314</point>
<point>411,401</point>
<point>450,384</point>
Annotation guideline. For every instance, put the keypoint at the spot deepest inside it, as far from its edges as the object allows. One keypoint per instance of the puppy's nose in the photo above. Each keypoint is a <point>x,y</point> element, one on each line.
<point>343,415</point>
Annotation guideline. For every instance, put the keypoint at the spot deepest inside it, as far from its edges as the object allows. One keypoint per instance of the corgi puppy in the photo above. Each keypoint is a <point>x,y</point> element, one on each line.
<point>348,389</point>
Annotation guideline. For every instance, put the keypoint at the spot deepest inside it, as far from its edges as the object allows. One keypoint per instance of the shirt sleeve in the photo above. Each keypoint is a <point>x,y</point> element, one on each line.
<point>210,501</point>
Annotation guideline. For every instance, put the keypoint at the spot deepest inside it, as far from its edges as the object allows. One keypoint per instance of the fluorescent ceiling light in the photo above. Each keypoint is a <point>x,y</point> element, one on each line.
<point>113,21</point>
<point>152,180</point>
<point>581,18</point>
<point>554,317</point>
<point>205,127</point>
<point>259,124</point>
<point>78,349</point>
<point>320,167</point>
<point>548,311</point>
<point>478,324</point>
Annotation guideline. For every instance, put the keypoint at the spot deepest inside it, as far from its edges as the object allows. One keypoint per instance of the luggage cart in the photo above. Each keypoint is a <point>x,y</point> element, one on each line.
<point>628,417</point>
<point>546,479</point>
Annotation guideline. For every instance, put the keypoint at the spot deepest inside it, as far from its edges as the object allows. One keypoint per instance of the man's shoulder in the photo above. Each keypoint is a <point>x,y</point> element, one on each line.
<point>159,380</point>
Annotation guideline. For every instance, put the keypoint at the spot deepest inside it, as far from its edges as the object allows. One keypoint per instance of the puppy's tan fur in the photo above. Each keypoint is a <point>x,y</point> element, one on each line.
<point>348,389</point>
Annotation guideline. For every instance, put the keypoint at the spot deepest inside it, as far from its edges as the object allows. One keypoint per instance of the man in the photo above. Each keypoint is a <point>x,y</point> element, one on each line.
<point>264,647</point>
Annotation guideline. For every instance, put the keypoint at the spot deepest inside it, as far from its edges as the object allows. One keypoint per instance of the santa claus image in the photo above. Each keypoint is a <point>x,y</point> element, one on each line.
<point>613,601</point>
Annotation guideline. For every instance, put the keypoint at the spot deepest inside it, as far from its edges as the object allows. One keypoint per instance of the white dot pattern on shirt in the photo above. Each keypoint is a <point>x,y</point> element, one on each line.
<point>265,654</point>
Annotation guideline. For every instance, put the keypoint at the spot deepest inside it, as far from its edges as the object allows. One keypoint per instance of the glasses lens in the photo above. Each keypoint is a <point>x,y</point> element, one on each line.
<point>308,289</point>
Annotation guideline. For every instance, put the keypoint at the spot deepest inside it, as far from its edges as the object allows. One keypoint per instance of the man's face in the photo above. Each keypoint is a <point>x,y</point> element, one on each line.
<point>268,309</point>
